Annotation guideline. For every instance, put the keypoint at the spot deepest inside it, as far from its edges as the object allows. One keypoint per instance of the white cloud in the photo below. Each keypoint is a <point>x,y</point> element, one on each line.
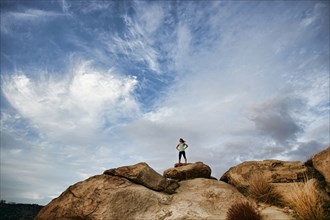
<point>183,49</point>
<point>97,6</point>
<point>150,16</point>
<point>159,115</point>
<point>134,46</point>
<point>29,14</point>
<point>65,6</point>
<point>72,107</point>
<point>12,19</point>
<point>312,14</point>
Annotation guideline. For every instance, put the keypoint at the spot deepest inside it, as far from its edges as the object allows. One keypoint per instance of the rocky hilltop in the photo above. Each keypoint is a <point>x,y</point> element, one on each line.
<point>186,191</point>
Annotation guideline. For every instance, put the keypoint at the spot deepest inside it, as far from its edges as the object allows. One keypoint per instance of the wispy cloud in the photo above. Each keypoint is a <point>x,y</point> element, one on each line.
<point>65,6</point>
<point>135,44</point>
<point>12,19</point>
<point>150,16</point>
<point>31,14</point>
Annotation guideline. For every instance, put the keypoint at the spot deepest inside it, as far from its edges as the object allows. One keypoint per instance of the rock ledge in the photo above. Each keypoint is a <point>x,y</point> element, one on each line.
<point>143,174</point>
<point>188,171</point>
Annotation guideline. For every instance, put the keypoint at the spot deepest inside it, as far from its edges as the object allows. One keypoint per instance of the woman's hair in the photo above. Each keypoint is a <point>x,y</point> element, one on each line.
<point>181,140</point>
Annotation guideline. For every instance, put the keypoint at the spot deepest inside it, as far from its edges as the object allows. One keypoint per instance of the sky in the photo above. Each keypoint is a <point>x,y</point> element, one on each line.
<point>92,85</point>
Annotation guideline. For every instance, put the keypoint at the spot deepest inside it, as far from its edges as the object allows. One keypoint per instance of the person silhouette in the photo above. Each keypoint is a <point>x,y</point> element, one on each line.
<point>181,148</point>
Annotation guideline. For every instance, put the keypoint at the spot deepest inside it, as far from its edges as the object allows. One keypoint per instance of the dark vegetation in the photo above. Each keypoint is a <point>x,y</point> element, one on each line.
<point>16,211</point>
<point>244,210</point>
<point>262,191</point>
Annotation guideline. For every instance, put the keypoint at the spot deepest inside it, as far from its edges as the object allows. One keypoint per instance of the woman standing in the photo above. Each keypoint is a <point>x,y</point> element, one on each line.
<point>181,148</point>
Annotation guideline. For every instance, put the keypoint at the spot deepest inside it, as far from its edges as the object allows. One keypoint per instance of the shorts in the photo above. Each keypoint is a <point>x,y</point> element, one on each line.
<point>182,153</point>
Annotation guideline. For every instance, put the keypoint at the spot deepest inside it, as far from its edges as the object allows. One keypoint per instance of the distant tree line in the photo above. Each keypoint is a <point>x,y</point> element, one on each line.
<point>18,211</point>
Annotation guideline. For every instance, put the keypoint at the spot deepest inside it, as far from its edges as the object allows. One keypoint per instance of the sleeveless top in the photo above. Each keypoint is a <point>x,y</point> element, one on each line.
<point>181,147</point>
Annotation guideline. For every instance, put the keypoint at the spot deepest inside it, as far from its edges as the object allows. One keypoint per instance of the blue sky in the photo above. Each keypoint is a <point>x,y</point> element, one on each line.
<point>92,85</point>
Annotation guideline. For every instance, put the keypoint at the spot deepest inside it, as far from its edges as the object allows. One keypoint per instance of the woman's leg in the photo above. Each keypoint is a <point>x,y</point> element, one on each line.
<point>180,154</point>
<point>184,156</point>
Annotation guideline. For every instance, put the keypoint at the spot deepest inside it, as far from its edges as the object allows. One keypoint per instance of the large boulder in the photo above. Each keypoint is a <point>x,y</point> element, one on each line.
<point>321,163</point>
<point>203,198</point>
<point>275,171</point>
<point>143,174</point>
<point>104,197</point>
<point>188,171</point>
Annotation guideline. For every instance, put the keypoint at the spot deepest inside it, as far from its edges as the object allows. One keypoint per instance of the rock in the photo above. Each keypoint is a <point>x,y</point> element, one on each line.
<point>181,164</point>
<point>202,198</point>
<point>321,162</point>
<point>188,171</point>
<point>142,174</point>
<point>83,198</point>
<point>274,213</point>
<point>104,197</point>
<point>275,171</point>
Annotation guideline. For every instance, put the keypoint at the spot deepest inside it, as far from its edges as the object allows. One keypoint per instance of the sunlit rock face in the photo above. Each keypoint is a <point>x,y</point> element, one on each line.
<point>138,192</point>
<point>188,171</point>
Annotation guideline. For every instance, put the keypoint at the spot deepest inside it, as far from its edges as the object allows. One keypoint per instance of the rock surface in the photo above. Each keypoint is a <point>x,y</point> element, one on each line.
<point>139,192</point>
<point>181,164</point>
<point>105,197</point>
<point>321,162</point>
<point>275,171</point>
<point>188,171</point>
<point>274,213</point>
<point>143,174</point>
